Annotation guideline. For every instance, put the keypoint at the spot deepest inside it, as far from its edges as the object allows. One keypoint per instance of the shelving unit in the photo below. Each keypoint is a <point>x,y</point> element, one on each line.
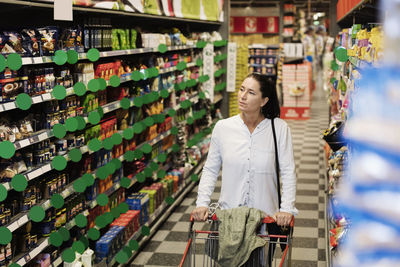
<point>344,84</point>
<point>185,98</point>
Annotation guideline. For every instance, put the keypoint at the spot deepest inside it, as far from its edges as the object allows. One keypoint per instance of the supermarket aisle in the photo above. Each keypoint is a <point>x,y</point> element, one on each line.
<point>168,244</point>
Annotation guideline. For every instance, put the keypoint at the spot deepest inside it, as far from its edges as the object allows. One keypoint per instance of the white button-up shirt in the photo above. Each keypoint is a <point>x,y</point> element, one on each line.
<point>248,166</point>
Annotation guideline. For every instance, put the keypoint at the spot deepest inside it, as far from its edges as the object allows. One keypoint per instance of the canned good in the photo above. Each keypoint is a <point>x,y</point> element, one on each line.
<point>27,242</point>
<point>61,146</point>
<point>8,252</point>
<point>29,160</point>
<point>2,256</point>
<point>27,205</point>
<point>2,220</point>
<point>34,241</point>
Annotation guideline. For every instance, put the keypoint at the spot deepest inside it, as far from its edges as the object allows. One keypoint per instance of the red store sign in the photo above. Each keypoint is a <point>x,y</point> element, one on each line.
<point>254,25</point>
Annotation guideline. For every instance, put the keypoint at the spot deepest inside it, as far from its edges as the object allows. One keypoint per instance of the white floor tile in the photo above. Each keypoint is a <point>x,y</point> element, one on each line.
<point>160,235</point>
<point>305,254</point>
<point>307,186</point>
<point>305,232</point>
<point>175,217</point>
<point>306,199</point>
<point>321,243</point>
<point>307,214</point>
<point>172,247</point>
<point>142,258</point>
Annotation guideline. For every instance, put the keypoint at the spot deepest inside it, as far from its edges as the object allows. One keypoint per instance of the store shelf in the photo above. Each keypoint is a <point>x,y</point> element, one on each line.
<point>292,59</point>
<point>70,91</point>
<point>263,46</point>
<point>126,52</point>
<point>262,65</point>
<point>217,98</point>
<point>24,258</point>
<point>40,170</point>
<point>47,134</point>
<point>264,56</point>
<point>50,7</point>
<point>186,188</point>
<point>364,11</point>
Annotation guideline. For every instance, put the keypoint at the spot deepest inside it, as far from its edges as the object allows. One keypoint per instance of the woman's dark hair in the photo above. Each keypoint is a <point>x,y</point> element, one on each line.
<point>268,89</point>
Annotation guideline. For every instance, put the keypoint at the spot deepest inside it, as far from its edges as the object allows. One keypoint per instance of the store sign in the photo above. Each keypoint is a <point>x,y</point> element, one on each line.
<point>254,24</point>
<point>63,10</point>
<point>208,69</point>
<point>231,68</point>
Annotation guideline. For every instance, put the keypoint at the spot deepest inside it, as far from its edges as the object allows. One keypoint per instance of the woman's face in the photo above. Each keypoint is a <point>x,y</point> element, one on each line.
<point>250,99</point>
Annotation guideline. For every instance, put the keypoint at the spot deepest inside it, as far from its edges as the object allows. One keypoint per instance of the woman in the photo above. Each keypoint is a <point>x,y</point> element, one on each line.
<point>244,146</point>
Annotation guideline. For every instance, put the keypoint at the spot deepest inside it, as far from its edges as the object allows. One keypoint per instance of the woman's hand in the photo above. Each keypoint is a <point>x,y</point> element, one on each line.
<point>200,214</point>
<point>282,218</point>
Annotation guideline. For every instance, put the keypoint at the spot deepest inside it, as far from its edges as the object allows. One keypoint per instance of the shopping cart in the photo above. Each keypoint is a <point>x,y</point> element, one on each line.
<point>202,248</point>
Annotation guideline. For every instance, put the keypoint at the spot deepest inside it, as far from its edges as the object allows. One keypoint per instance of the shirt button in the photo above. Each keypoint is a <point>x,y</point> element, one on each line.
<point>248,170</point>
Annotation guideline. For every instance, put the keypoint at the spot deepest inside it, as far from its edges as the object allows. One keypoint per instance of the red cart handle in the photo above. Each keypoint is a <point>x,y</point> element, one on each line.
<point>267,219</point>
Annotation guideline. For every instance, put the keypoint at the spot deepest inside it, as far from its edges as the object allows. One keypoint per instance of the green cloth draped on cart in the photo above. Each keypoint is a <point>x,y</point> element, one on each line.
<point>238,235</point>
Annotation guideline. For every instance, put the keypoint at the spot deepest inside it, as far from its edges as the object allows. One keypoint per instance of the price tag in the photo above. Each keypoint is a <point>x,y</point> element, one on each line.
<point>82,56</point>
<point>9,106</point>
<point>37,60</point>
<point>24,143</point>
<point>1,108</point>
<point>58,261</point>
<point>22,261</point>
<point>34,139</point>
<point>35,173</point>
<point>43,136</point>
<point>70,91</point>
<point>24,219</point>
<point>7,186</point>
<point>46,205</point>
<point>46,97</point>
<point>35,252</point>
<point>36,99</point>
<point>141,50</point>
<point>14,226</point>
<point>26,60</point>
<point>84,149</point>
<point>103,54</point>
<point>44,244</point>
<point>46,168</point>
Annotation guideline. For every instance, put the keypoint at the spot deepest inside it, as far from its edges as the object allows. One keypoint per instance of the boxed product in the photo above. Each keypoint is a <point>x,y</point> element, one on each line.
<point>139,202</point>
<point>152,199</point>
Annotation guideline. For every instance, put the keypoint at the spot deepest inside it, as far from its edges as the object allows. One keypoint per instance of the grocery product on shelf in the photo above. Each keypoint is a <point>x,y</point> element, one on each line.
<point>97,133</point>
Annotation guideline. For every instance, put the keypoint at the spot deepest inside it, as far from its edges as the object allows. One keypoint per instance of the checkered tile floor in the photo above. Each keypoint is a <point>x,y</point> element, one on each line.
<point>309,245</point>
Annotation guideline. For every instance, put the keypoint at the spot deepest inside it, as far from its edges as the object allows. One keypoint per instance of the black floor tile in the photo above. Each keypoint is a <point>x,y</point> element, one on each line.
<point>181,209</point>
<point>321,214</point>
<point>185,217</point>
<point>321,232</point>
<point>165,259</point>
<point>151,246</point>
<point>167,225</point>
<point>307,206</point>
<point>316,170</point>
<point>297,263</point>
<point>306,222</point>
<point>177,236</point>
<point>321,255</point>
<point>305,242</point>
<point>307,192</point>
<point>307,181</point>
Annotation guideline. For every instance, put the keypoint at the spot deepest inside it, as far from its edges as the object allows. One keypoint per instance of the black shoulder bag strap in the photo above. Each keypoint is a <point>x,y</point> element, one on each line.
<point>274,228</point>
<point>276,162</point>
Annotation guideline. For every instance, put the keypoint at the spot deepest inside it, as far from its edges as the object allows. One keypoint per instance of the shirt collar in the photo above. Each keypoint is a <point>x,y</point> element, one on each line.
<point>259,127</point>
